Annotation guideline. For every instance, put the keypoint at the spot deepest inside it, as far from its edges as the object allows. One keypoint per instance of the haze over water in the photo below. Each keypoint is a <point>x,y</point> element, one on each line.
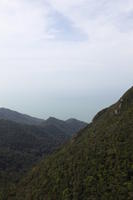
<point>64,58</point>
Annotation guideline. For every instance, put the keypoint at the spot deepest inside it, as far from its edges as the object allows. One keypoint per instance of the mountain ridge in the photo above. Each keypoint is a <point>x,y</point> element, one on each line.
<point>68,126</point>
<point>15,116</point>
<point>11,115</point>
<point>95,164</point>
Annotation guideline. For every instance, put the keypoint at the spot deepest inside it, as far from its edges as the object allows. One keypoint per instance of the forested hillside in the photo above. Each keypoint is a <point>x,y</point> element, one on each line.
<point>97,164</point>
<point>21,146</point>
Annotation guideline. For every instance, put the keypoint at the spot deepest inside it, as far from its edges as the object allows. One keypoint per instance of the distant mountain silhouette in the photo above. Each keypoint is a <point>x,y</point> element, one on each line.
<point>68,127</point>
<point>11,115</point>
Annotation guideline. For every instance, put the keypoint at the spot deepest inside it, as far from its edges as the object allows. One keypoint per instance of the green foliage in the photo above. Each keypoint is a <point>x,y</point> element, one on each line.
<point>21,146</point>
<point>95,165</point>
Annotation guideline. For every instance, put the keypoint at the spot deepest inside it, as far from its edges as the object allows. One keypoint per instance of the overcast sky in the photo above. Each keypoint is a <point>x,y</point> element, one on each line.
<point>65,58</point>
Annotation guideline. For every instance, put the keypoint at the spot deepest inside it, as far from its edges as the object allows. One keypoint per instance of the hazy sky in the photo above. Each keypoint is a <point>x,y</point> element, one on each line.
<point>65,58</point>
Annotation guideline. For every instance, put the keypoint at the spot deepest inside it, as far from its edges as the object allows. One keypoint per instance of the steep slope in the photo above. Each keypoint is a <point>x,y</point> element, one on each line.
<point>11,115</point>
<point>68,127</point>
<point>96,165</point>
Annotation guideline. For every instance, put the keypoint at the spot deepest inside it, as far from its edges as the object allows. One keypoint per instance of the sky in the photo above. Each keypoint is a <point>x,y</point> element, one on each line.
<point>65,58</point>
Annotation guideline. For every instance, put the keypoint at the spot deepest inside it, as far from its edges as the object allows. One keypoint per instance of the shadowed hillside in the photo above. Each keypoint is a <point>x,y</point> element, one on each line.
<point>68,127</point>
<point>21,146</point>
